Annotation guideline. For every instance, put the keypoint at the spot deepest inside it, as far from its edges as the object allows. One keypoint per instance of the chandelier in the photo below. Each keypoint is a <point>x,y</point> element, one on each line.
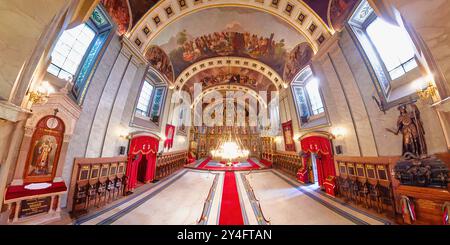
<point>230,149</point>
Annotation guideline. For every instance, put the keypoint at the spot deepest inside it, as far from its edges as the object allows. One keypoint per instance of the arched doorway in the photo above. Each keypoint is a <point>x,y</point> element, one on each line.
<point>317,157</point>
<point>141,165</point>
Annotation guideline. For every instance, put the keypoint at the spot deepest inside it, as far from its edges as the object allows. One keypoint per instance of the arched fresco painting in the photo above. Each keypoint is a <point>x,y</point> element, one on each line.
<point>120,13</point>
<point>229,75</point>
<point>228,33</point>
<point>339,11</point>
<point>298,58</point>
<point>160,61</point>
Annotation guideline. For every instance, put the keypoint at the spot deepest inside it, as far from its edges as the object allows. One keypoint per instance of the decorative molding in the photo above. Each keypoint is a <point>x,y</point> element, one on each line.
<point>252,64</point>
<point>226,87</point>
<point>192,6</point>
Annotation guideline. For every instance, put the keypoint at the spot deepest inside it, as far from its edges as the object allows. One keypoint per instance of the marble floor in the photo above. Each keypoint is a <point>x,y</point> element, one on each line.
<point>192,197</point>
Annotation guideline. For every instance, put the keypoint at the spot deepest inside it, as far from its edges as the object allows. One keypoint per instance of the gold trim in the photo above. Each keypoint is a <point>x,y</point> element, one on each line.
<point>163,25</point>
<point>224,58</point>
<point>326,27</point>
<point>300,29</point>
<point>218,88</point>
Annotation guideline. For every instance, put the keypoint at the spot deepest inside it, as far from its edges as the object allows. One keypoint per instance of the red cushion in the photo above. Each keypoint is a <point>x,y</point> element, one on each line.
<point>19,191</point>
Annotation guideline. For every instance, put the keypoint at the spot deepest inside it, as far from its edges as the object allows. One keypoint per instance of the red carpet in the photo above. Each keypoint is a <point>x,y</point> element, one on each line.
<point>203,164</point>
<point>266,162</point>
<point>230,209</point>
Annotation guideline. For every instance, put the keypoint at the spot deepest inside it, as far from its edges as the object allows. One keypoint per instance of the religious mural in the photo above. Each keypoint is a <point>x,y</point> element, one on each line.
<point>339,11</point>
<point>139,8</point>
<point>44,151</point>
<point>160,61</point>
<point>298,58</point>
<point>120,13</point>
<point>232,76</point>
<point>229,33</point>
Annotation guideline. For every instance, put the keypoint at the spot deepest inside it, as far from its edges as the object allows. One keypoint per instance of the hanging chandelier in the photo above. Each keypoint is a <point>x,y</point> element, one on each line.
<point>230,151</point>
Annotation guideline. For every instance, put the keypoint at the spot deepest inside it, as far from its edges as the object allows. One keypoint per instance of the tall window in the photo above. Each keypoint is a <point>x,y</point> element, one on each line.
<point>394,47</point>
<point>69,51</point>
<point>390,53</point>
<point>312,89</point>
<point>78,50</point>
<point>145,97</point>
<point>151,100</point>
<point>307,97</point>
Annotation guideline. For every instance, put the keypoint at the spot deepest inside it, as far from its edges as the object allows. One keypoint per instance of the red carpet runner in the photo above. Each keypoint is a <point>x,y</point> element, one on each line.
<point>230,209</point>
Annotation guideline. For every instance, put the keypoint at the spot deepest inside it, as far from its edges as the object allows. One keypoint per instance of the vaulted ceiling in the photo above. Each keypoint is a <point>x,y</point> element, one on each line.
<point>175,35</point>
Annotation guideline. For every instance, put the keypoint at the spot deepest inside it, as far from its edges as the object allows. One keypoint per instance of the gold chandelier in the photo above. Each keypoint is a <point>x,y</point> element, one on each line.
<point>230,148</point>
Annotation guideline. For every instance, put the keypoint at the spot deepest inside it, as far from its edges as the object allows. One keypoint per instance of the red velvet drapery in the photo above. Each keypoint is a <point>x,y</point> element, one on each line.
<point>140,146</point>
<point>325,162</point>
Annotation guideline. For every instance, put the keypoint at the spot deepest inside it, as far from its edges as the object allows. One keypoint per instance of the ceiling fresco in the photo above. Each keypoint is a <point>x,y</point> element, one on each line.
<point>139,8</point>
<point>340,10</point>
<point>120,10</point>
<point>120,13</point>
<point>160,61</point>
<point>229,33</point>
<point>232,76</point>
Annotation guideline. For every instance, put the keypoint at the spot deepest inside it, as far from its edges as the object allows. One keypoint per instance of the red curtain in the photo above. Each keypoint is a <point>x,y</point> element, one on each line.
<point>325,162</point>
<point>139,146</point>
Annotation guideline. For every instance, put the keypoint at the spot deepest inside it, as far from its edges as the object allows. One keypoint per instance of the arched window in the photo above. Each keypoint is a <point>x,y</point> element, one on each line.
<point>150,103</point>
<point>308,99</point>
<point>69,51</point>
<point>390,53</point>
<point>394,47</point>
<point>143,106</point>
<point>78,50</point>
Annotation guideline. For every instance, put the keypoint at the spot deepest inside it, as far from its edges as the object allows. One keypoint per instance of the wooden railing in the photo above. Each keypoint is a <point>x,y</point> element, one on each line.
<point>267,156</point>
<point>203,218</point>
<point>262,220</point>
<point>170,162</point>
<point>290,162</point>
<point>96,182</point>
<point>367,181</point>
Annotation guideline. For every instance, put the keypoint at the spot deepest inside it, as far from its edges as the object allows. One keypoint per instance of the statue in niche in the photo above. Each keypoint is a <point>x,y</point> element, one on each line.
<point>410,126</point>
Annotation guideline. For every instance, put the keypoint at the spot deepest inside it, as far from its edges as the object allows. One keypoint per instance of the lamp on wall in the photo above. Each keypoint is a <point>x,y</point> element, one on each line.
<point>338,132</point>
<point>429,91</point>
<point>41,94</point>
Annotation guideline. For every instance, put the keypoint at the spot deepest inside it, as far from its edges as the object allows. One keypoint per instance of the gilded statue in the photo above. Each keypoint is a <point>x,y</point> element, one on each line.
<point>409,124</point>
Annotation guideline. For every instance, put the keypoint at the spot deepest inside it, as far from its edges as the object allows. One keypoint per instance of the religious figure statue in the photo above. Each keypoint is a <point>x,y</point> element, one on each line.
<point>410,126</point>
<point>42,159</point>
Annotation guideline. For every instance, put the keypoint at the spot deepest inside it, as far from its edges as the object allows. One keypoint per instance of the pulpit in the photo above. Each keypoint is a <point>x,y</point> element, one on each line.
<point>330,185</point>
<point>302,175</point>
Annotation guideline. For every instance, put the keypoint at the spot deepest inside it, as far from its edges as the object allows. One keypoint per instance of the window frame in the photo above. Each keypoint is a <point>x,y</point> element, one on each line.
<point>138,120</point>
<point>150,101</point>
<point>89,25</point>
<point>356,26</point>
<point>312,121</point>
<point>104,28</point>
<point>373,17</point>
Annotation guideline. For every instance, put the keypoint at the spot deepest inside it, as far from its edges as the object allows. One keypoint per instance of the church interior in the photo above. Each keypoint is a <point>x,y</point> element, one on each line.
<point>225,112</point>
